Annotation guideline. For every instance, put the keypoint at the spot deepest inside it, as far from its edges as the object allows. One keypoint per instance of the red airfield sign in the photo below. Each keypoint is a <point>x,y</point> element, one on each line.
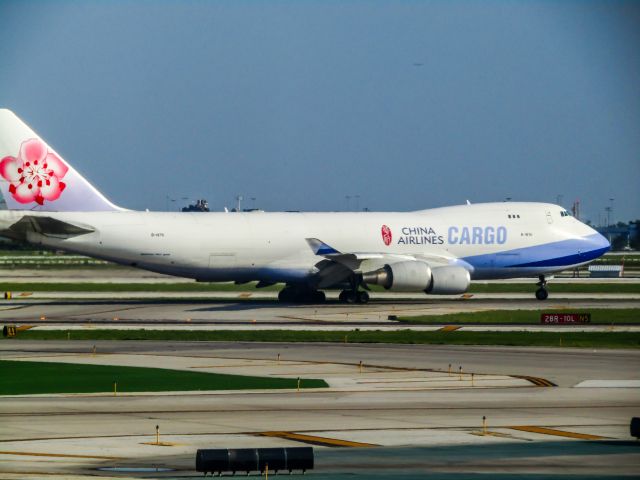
<point>564,318</point>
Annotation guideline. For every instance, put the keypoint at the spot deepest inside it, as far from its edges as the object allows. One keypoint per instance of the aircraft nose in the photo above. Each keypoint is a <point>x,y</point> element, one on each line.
<point>601,242</point>
<point>598,243</point>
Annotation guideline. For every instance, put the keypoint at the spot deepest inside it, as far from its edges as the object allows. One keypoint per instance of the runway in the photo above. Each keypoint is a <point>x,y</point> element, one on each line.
<point>240,313</point>
<point>403,415</point>
<point>404,405</point>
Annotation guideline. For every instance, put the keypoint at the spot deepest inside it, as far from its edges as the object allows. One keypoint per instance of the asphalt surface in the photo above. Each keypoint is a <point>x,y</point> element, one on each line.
<point>413,429</point>
<point>401,416</point>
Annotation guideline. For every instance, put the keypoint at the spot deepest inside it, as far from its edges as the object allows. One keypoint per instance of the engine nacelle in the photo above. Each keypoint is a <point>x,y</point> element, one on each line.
<point>416,276</point>
<point>449,280</point>
<point>411,276</point>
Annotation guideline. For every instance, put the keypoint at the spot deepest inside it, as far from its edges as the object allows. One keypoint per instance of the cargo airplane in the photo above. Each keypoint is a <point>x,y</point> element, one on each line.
<point>435,251</point>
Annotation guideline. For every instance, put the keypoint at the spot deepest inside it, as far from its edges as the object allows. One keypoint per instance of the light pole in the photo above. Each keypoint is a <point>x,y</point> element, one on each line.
<point>611,210</point>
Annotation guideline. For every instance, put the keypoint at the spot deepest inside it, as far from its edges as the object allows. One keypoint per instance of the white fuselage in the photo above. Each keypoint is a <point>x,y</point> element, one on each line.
<point>493,240</point>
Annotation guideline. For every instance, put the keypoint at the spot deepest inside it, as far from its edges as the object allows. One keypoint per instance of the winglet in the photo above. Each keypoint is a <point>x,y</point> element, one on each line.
<point>320,248</point>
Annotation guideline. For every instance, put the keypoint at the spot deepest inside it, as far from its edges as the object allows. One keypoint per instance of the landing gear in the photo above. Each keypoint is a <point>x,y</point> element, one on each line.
<point>363,297</point>
<point>541,292</point>
<point>293,294</point>
<point>352,296</point>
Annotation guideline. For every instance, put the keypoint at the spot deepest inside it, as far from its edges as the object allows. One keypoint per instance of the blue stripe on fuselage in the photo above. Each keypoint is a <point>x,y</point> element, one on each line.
<point>557,254</point>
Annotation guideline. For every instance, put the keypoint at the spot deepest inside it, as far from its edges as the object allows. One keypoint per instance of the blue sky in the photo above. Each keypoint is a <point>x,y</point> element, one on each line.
<point>299,104</point>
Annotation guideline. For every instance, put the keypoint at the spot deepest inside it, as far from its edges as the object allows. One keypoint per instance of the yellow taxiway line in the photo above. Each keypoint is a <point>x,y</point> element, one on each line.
<point>558,433</point>
<point>314,440</point>
<point>537,381</point>
<point>450,328</point>
<point>62,455</point>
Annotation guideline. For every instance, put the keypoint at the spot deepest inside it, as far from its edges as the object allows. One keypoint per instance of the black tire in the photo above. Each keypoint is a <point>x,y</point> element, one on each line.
<point>343,296</point>
<point>363,297</point>
<point>542,294</point>
<point>319,296</point>
<point>351,297</point>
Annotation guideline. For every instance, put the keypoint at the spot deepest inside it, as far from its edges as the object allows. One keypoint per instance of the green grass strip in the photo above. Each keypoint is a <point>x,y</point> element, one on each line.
<point>578,287</point>
<point>133,287</point>
<point>542,339</point>
<point>19,378</point>
<point>599,316</point>
<point>230,287</point>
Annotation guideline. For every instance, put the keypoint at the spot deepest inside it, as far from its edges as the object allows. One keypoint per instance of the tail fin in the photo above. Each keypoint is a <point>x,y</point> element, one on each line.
<point>34,177</point>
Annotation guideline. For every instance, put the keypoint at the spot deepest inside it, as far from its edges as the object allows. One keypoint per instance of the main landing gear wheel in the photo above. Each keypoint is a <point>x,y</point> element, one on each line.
<point>363,297</point>
<point>541,293</point>
<point>351,296</point>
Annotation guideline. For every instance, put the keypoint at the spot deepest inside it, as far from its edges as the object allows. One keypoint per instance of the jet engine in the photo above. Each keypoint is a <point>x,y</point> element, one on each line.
<point>411,276</point>
<point>449,280</point>
<point>416,276</point>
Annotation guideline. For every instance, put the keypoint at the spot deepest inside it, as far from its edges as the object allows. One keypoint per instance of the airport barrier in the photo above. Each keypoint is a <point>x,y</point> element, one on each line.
<point>9,331</point>
<point>634,427</point>
<point>254,459</point>
<point>605,271</point>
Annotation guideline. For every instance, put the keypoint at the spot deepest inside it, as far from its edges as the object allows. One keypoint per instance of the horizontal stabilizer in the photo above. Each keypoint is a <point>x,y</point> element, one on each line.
<point>47,226</point>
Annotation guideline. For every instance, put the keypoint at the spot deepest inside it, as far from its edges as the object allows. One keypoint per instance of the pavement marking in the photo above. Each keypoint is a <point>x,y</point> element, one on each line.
<point>314,440</point>
<point>162,444</point>
<point>63,455</point>
<point>608,384</point>
<point>450,328</point>
<point>270,364</point>
<point>480,433</point>
<point>537,381</point>
<point>558,433</point>
<point>22,328</point>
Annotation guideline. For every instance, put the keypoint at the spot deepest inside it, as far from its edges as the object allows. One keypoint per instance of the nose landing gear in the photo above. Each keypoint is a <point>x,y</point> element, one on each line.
<point>541,292</point>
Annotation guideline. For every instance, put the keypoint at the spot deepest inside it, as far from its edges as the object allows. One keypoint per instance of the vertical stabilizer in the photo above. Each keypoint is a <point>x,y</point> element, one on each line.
<point>34,177</point>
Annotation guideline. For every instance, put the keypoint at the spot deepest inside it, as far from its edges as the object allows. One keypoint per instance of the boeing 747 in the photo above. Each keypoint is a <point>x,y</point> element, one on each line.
<point>435,251</point>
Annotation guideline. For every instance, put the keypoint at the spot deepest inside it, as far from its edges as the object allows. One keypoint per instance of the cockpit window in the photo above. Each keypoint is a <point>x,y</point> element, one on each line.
<point>564,213</point>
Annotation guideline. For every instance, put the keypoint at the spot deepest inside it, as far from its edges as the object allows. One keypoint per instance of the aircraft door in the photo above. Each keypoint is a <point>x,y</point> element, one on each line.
<point>549,217</point>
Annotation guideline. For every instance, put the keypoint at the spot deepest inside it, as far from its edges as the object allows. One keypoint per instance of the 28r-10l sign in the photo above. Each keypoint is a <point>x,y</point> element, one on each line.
<point>565,318</point>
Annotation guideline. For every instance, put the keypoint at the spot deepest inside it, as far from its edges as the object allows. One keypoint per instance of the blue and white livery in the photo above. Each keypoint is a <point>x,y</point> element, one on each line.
<point>438,251</point>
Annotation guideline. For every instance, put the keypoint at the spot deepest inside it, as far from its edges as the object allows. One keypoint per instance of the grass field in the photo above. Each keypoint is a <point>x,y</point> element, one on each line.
<point>546,339</point>
<point>20,378</point>
<point>601,316</point>
<point>230,287</point>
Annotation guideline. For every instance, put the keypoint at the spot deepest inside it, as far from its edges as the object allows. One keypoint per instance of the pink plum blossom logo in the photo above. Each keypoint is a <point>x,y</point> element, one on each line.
<point>34,176</point>
<point>386,235</point>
